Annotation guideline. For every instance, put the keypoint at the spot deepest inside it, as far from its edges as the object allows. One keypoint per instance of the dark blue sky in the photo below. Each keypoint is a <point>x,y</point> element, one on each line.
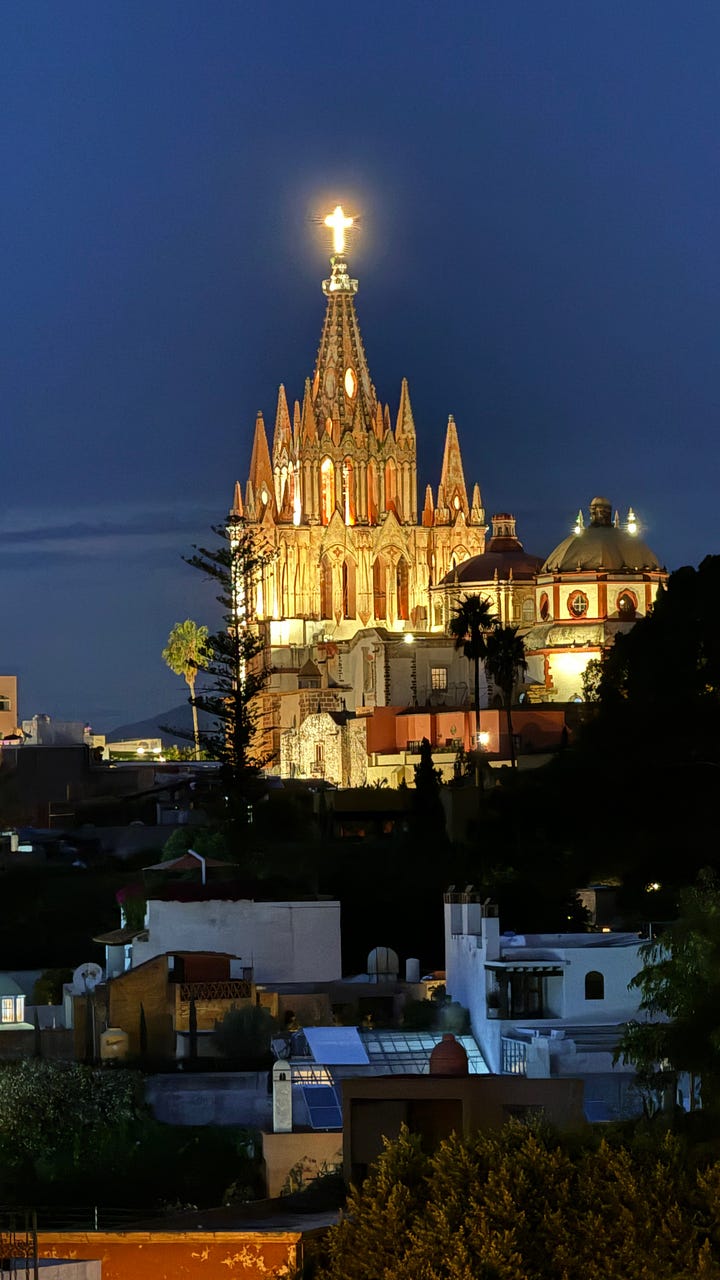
<point>539,189</point>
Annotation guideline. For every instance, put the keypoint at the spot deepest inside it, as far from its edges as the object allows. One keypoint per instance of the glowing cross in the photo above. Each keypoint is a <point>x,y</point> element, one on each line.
<point>339,224</point>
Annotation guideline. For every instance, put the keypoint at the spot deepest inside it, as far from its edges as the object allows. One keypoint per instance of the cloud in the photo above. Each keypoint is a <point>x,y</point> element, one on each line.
<point>103,533</point>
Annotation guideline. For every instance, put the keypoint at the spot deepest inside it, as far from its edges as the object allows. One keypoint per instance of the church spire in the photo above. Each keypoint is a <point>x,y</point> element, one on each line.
<point>405,425</point>
<point>452,494</point>
<point>341,379</point>
<point>282,437</point>
<point>261,476</point>
<point>236,510</point>
<point>308,431</point>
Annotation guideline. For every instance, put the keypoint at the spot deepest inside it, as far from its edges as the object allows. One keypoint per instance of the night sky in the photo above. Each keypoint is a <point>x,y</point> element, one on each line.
<point>539,190</point>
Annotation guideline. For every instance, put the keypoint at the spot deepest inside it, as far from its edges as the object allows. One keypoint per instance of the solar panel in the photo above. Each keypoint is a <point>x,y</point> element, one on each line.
<point>336,1046</point>
<point>323,1106</point>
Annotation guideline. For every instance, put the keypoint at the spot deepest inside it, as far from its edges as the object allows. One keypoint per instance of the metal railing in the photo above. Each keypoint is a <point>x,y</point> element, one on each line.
<point>514,1057</point>
<point>232,989</point>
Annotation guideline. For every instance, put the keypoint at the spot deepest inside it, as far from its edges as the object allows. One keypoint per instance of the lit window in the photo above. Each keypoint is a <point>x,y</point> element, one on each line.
<point>327,490</point>
<point>8,1009</point>
<point>350,383</point>
<point>19,1008</point>
<point>319,752</point>
<point>578,603</point>
<point>438,678</point>
<point>627,605</point>
<point>544,606</point>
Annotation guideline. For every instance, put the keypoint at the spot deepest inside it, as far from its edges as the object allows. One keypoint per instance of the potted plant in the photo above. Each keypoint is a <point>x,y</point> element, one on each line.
<point>493,1004</point>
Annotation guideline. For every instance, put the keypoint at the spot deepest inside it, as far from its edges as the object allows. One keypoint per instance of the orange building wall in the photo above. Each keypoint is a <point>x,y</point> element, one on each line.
<point>9,719</point>
<point>146,985</point>
<point>169,1255</point>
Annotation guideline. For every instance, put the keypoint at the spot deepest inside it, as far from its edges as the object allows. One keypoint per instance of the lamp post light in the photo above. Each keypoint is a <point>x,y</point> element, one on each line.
<point>409,638</point>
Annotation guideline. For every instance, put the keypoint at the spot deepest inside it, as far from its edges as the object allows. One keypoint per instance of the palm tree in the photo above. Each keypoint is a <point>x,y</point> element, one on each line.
<point>186,653</point>
<point>504,661</point>
<point>470,626</point>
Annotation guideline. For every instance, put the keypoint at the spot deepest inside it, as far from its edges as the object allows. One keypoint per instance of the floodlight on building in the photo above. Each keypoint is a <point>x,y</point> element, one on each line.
<point>409,638</point>
<point>483,738</point>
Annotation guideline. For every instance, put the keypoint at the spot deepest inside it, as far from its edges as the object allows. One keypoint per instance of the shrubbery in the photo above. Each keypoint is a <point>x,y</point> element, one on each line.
<point>81,1136</point>
<point>523,1205</point>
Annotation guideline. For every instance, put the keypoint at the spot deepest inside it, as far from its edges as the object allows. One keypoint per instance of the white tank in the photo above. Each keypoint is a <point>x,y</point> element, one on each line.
<point>383,965</point>
<point>114,1044</point>
<point>412,970</point>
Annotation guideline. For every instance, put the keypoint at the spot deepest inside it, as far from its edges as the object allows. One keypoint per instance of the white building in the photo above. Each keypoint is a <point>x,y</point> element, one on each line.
<point>289,942</point>
<point>545,1004</point>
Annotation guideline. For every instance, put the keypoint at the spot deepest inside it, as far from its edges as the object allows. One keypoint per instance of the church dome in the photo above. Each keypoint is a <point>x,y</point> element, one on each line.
<point>504,556</point>
<point>602,545</point>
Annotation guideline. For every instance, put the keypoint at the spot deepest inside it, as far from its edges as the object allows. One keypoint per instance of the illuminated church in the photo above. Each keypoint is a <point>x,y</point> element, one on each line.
<point>360,581</point>
<point>335,501</point>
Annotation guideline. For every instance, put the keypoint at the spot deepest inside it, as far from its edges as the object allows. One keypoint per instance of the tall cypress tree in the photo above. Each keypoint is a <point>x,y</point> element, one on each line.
<point>234,672</point>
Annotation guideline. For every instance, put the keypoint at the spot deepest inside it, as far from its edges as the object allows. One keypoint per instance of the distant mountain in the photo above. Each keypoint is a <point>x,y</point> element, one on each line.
<point>176,718</point>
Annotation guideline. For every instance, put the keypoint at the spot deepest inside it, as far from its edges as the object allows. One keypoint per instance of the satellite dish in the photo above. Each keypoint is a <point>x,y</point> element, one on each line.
<point>86,977</point>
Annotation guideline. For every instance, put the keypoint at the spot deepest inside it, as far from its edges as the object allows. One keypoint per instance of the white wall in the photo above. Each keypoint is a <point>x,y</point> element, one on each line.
<point>470,943</point>
<point>282,941</point>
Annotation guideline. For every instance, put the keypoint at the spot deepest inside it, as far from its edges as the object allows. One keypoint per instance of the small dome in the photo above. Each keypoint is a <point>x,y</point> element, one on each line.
<point>448,1058</point>
<point>504,555</point>
<point>602,545</point>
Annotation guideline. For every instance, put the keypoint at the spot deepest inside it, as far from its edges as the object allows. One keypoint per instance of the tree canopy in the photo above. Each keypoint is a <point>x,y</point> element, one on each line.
<point>520,1204</point>
<point>469,627</point>
<point>505,662</point>
<point>235,674</point>
<point>186,653</point>
<point>680,992</point>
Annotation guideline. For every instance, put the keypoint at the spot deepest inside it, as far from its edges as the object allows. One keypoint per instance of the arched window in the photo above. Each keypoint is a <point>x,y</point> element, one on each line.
<point>544,606</point>
<point>372,492</point>
<point>348,588</point>
<point>327,490</point>
<point>627,605</point>
<point>528,610</point>
<point>348,491</point>
<point>326,592</point>
<point>379,588</point>
<point>401,584</point>
<point>594,985</point>
<point>391,486</point>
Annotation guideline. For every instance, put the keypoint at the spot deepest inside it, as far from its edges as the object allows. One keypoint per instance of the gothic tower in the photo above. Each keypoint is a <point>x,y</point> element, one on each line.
<point>336,500</point>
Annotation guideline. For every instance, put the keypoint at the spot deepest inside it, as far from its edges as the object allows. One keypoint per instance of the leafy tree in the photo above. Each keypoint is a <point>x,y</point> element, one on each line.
<point>470,626</point>
<point>245,1032</point>
<point>522,1203</point>
<point>234,665</point>
<point>592,680</point>
<point>45,1106</point>
<point>504,662</point>
<point>204,840</point>
<point>48,987</point>
<point>674,650</point>
<point>429,819</point>
<point>680,992</point>
<point>186,653</point>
